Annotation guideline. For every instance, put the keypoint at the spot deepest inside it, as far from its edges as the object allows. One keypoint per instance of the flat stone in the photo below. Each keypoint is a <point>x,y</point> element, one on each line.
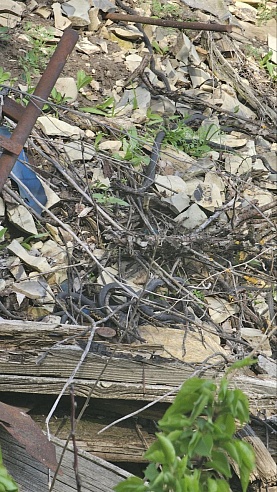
<point>94,19</point>
<point>215,7</point>
<point>268,365</point>
<point>261,196</point>
<point>244,11</point>
<point>53,126</point>
<point>21,218</point>
<point>192,217</point>
<point>11,7</point>
<point>177,202</point>
<point>32,5</point>
<point>187,52</point>
<point>227,97</point>
<point>138,98</point>
<point>112,145</point>
<point>272,44</point>
<point>67,87</point>
<point>77,12</point>
<point>34,290</point>
<point>169,185</point>
<point>198,76</point>
<point>132,61</point>
<point>45,13</point>
<point>2,208</point>
<point>78,151</point>
<point>131,34</point>
<point>85,46</point>
<point>163,105</point>
<point>60,21</point>
<point>236,164</point>
<point>252,32</point>
<point>104,5</point>
<point>38,263</point>
<point>208,196</point>
<point>8,20</point>
<point>98,177</point>
<point>52,197</point>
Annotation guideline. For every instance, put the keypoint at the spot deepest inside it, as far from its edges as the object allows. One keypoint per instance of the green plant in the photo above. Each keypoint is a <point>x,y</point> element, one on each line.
<point>265,13</point>
<point>26,243</point>
<point>194,143</point>
<point>7,483</point>
<point>35,59</point>
<point>199,294</point>
<point>4,36</point>
<point>250,50</point>
<point>160,9</point>
<point>106,108</point>
<point>104,197</point>
<point>196,441</point>
<point>82,79</point>
<point>6,77</point>
<point>132,150</point>
<point>158,49</point>
<point>267,63</point>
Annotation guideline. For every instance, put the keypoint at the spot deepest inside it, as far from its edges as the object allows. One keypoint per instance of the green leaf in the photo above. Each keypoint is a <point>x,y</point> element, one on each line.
<point>131,484</point>
<point>219,463</point>
<point>224,425</point>
<point>151,472</point>
<point>82,79</point>
<point>247,453</point>
<point>248,361</point>
<point>223,388</point>
<point>244,477</point>
<point>217,485</point>
<point>200,404</point>
<point>187,396</point>
<point>167,448</point>
<point>93,110</point>
<point>191,483</point>
<point>233,452</point>
<point>242,409</point>
<point>3,232</point>
<point>173,422</point>
<point>175,435</point>
<point>155,453</point>
<point>193,443</point>
<point>204,446</point>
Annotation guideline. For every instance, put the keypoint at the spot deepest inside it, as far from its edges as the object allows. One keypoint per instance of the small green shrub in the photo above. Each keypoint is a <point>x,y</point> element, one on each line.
<point>196,441</point>
<point>36,58</point>
<point>267,63</point>
<point>82,79</point>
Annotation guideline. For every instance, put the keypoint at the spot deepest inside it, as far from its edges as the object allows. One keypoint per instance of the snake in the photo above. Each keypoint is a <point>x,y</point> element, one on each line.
<point>102,307</point>
<point>149,312</point>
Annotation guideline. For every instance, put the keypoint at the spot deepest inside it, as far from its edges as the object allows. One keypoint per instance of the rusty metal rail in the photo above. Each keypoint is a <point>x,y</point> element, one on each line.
<point>198,26</point>
<point>27,117</point>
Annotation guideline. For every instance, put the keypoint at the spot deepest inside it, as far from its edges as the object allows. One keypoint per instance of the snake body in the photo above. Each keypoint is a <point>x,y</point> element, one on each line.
<point>156,311</point>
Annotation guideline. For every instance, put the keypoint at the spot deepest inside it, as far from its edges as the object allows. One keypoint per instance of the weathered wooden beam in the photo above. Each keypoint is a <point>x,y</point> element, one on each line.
<point>96,474</point>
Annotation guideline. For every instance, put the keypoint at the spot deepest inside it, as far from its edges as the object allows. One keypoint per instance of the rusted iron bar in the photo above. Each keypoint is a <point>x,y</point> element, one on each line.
<point>33,109</point>
<point>13,147</point>
<point>198,26</point>
<point>12,110</point>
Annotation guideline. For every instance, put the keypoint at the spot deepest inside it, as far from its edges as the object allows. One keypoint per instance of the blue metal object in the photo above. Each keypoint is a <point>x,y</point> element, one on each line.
<point>21,172</point>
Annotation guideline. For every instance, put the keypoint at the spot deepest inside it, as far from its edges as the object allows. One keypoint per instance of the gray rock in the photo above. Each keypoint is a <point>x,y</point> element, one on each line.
<point>192,217</point>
